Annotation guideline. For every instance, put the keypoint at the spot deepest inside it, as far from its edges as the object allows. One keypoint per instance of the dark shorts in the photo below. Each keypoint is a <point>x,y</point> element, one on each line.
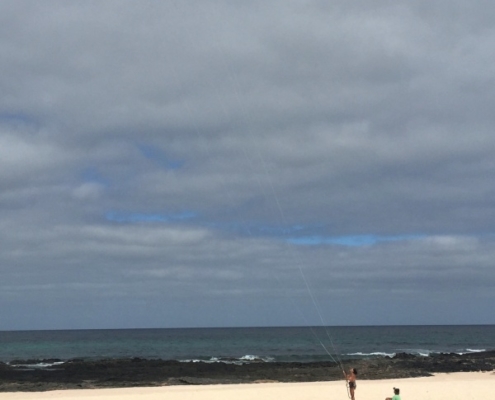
<point>352,385</point>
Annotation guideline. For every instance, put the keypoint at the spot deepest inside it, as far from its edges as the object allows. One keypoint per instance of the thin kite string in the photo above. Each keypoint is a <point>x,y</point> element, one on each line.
<point>274,195</point>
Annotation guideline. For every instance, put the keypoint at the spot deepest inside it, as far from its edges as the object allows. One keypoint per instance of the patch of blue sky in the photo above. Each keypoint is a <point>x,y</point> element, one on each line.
<point>159,157</point>
<point>17,119</point>
<point>350,241</point>
<point>125,217</point>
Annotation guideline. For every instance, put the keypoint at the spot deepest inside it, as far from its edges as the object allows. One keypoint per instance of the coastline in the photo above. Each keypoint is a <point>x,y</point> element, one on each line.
<point>136,372</point>
<point>445,386</point>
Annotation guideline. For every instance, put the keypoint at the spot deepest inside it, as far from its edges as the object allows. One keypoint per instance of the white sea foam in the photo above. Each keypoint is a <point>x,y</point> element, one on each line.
<point>471,351</point>
<point>427,353</point>
<point>232,360</point>
<point>420,352</point>
<point>249,357</point>
<point>374,354</point>
<point>39,365</point>
<point>256,358</point>
<point>195,360</point>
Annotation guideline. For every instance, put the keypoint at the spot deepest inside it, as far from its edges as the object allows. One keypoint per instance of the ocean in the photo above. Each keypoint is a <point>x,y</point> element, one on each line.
<point>244,345</point>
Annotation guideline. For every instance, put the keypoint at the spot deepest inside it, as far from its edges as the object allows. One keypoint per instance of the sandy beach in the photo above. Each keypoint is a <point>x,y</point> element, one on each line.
<point>452,386</point>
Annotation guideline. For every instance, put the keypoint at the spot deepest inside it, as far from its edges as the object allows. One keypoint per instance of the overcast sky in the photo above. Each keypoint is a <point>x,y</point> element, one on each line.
<point>224,163</point>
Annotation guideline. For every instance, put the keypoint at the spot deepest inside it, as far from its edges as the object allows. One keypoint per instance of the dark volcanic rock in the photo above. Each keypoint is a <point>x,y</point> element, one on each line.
<point>404,356</point>
<point>78,373</point>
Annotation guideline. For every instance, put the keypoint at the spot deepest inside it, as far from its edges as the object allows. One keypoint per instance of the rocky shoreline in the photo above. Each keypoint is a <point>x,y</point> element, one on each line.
<point>20,375</point>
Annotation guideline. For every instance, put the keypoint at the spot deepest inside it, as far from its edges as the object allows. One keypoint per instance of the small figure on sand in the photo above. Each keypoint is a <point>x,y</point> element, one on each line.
<point>396,395</point>
<point>351,381</point>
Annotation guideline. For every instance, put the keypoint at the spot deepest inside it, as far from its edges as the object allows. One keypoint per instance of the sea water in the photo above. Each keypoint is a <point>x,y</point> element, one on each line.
<point>244,345</point>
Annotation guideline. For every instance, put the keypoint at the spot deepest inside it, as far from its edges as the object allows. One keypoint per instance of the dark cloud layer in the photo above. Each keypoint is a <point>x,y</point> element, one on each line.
<point>218,164</point>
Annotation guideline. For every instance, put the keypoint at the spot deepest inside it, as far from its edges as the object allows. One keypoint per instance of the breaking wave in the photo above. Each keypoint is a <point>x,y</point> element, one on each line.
<point>247,359</point>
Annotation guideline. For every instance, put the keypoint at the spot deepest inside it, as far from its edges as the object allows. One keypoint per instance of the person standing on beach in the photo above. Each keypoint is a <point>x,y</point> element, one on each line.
<point>351,381</point>
<point>396,395</point>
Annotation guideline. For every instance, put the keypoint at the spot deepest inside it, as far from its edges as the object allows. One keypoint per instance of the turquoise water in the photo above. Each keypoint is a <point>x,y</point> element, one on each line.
<point>302,344</point>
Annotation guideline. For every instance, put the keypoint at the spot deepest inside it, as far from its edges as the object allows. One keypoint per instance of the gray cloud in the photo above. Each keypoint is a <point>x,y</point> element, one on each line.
<point>172,154</point>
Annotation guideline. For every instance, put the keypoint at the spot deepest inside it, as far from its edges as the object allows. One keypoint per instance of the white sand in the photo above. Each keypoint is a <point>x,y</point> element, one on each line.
<point>455,386</point>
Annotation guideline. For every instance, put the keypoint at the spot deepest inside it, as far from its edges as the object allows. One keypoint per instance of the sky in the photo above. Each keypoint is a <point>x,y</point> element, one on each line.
<point>209,163</point>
